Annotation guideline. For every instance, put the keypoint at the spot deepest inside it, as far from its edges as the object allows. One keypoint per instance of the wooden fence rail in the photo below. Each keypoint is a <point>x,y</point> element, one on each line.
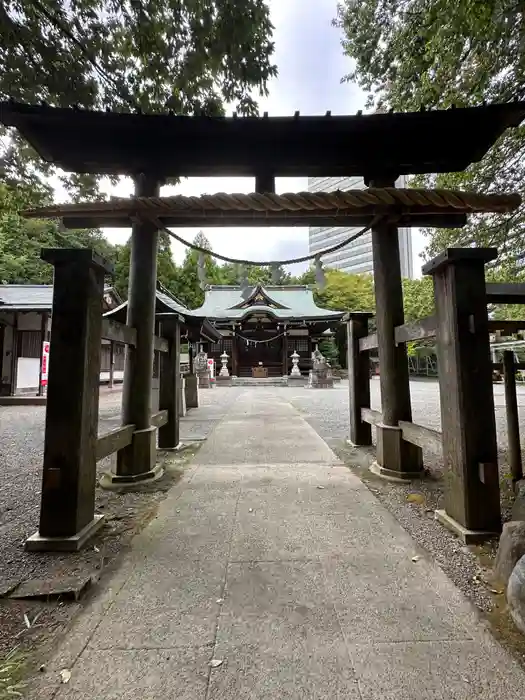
<point>369,342</point>
<point>118,332</point>
<point>426,438</point>
<point>113,441</point>
<point>426,328</point>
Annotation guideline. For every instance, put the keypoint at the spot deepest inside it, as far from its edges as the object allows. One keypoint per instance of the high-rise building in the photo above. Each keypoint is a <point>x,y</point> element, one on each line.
<point>357,255</point>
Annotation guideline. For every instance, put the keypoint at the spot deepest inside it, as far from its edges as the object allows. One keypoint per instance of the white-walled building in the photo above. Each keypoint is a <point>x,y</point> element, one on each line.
<point>25,325</point>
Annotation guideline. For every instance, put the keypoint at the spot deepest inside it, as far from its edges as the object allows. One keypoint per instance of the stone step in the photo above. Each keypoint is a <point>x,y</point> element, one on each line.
<point>266,381</point>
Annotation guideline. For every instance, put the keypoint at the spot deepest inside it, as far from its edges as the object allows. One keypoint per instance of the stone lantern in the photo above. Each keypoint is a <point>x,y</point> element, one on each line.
<point>295,364</point>
<point>224,369</point>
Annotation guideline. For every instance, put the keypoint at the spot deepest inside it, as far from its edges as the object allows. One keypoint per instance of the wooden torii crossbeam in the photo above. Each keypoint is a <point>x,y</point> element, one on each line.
<point>409,207</point>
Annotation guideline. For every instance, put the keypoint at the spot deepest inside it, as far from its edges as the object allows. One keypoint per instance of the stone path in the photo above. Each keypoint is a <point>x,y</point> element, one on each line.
<point>271,559</point>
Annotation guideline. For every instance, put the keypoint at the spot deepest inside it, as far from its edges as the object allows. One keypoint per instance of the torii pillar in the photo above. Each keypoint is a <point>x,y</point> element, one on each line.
<point>137,462</point>
<point>395,456</point>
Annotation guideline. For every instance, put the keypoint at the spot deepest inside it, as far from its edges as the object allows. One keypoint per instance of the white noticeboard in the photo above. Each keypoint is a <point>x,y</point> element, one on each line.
<point>211,367</point>
<point>45,363</point>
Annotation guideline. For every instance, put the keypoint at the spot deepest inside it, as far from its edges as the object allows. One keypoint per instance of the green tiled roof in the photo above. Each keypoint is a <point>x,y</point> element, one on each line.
<point>298,303</point>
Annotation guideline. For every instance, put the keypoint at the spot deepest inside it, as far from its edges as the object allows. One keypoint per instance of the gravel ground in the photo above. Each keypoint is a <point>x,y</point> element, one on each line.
<point>21,449</point>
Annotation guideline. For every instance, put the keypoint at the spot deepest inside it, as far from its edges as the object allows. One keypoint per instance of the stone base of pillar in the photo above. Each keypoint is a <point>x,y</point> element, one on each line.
<point>182,397</point>
<point>397,457</point>
<point>296,380</point>
<point>111,481</point>
<point>465,535</point>
<point>191,391</point>
<point>141,454</point>
<point>39,543</point>
<point>320,380</point>
<point>223,381</point>
<point>204,380</point>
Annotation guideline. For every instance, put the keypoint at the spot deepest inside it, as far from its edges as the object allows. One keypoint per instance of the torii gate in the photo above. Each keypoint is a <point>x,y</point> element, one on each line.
<point>378,147</point>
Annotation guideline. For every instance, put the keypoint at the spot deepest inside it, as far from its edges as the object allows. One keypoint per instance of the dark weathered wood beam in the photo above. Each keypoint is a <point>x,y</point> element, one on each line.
<point>265,182</point>
<point>358,377</point>
<point>395,456</point>
<point>114,440</point>
<point>416,330</point>
<point>472,502</point>
<point>160,344</point>
<point>118,332</point>
<point>420,435</point>
<point>369,342</point>
<point>505,293</point>
<point>67,513</point>
<point>511,410</point>
<point>242,219</point>
<point>138,460</point>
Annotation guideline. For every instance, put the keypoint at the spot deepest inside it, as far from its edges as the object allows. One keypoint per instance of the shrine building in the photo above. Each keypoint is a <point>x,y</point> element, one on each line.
<point>266,324</point>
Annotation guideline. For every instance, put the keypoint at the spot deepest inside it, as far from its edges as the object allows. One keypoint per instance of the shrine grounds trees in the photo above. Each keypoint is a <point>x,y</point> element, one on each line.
<point>421,54</point>
<point>22,239</point>
<point>349,292</point>
<point>187,56</point>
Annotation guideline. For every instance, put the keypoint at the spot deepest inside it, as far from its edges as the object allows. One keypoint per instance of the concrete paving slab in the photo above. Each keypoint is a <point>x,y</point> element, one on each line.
<point>143,627</point>
<point>395,608</point>
<point>252,673</point>
<point>262,533</point>
<point>205,536</point>
<point>173,674</point>
<point>267,430</point>
<point>279,606</point>
<point>435,671</point>
<point>182,585</point>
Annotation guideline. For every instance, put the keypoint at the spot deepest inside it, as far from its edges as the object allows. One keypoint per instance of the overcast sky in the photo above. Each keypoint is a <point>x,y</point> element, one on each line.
<point>310,63</point>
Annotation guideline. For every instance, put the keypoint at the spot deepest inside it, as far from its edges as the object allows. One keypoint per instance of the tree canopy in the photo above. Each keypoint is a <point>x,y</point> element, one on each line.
<point>22,239</point>
<point>189,56</point>
<point>411,54</point>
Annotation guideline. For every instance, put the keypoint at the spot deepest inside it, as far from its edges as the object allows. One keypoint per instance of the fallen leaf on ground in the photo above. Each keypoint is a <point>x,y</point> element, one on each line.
<point>215,663</point>
<point>26,620</point>
<point>416,498</point>
<point>416,558</point>
<point>65,675</point>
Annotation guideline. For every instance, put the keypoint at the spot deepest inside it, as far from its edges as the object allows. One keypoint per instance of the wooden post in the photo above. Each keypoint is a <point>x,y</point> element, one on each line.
<point>358,378</point>
<point>111,363</point>
<point>395,456</point>
<point>511,409</point>
<point>264,183</point>
<point>43,331</point>
<point>67,516</point>
<point>137,461</point>
<point>190,356</point>
<point>472,504</point>
<point>235,356</point>
<point>285,354</point>
<point>169,393</point>
<point>14,354</point>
